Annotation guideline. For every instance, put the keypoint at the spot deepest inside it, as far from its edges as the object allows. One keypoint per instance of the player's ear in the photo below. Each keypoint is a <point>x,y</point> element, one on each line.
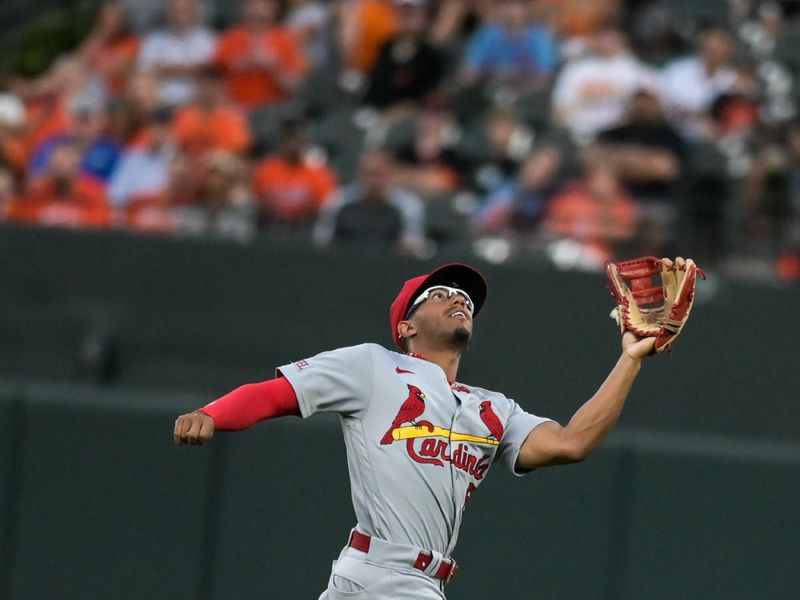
<point>406,330</point>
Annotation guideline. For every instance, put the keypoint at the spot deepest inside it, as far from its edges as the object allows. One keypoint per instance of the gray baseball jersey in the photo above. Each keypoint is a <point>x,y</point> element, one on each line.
<point>417,445</point>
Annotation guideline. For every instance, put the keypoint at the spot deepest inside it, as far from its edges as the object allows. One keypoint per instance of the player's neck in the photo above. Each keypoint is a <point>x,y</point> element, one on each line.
<point>448,360</point>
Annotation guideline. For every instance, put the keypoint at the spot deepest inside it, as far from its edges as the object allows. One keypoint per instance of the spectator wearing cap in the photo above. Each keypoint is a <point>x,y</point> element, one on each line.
<point>408,69</point>
<point>211,121</point>
<point>514,50</point>
<point>591,93</point>
<point>691,85</point>
<point>290,186</point>
<point>374,211</point>
<point>144,167</point>
<point>261,59</point>
<point>87,134</point>
<point>177,53</point>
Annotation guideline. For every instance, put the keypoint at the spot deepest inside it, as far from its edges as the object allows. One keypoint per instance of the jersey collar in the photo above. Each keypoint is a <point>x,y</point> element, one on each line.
<point>454,385</point>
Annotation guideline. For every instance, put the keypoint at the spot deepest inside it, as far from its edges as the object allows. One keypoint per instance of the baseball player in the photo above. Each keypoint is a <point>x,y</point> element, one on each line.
<point>419,443</point>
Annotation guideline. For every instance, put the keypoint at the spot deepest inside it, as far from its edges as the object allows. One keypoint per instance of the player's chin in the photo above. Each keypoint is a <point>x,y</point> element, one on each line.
<point>462,335</point>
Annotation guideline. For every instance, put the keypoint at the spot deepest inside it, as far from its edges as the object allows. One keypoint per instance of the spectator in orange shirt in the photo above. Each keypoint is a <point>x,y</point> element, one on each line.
<point>63,196</point>
<point>209,122</point>
<point>290,188</point>
<point>595,213</point>
<point>365,26</point>
<point>262,60</point>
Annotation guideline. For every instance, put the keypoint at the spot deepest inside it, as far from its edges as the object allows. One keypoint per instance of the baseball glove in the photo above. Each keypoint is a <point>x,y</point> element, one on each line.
<point>650,310</point>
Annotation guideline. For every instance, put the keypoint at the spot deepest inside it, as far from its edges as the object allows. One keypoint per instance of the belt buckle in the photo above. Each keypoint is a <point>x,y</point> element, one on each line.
<point>452,572</point>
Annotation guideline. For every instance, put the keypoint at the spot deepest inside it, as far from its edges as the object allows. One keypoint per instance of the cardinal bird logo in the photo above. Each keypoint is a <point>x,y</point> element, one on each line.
<point>411,409</point>
<point>491,421</point>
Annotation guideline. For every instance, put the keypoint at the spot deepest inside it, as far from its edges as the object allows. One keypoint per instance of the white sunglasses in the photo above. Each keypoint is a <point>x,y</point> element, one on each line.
<point>439,293</point>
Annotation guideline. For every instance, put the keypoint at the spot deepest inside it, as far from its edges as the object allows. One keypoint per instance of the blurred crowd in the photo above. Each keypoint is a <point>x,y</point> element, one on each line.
<point>568,131</point>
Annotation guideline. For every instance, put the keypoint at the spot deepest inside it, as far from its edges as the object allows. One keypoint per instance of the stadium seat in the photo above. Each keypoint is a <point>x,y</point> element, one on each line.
<point>702,12</point>
<point>342,140</point>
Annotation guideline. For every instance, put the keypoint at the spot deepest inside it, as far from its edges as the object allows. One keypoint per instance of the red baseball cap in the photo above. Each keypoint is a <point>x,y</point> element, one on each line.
<point>455,275</point>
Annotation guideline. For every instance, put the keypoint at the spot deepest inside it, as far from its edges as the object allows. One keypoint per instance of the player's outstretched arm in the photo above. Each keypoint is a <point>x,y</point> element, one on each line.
<point>552,444</point>
<point>243,407</point>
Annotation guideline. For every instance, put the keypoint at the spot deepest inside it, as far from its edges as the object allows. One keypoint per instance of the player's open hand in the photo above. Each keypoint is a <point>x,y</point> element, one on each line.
<point>193,429</point>
<point>637,347</point>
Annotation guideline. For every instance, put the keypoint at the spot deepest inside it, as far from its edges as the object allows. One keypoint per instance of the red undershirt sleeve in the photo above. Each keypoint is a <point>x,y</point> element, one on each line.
<point>247,405</point>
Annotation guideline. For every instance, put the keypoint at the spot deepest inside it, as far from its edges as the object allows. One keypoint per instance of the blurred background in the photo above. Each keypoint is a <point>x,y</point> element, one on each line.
<point>195,191</point>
